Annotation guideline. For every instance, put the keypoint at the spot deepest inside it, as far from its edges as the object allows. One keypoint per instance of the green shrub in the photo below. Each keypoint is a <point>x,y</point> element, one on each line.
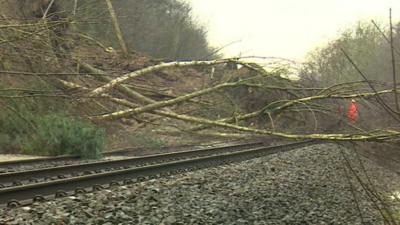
<point>58,134</point>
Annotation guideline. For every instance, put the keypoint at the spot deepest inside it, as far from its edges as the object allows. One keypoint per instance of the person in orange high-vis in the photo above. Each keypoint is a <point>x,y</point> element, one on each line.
<point>353,112</point>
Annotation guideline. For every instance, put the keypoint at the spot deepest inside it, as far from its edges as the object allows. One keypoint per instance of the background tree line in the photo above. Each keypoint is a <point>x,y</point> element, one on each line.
<point>158,28</point>
<point>365,44</point>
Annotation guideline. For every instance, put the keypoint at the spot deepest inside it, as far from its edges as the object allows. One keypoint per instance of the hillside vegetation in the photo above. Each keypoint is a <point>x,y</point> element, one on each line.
<point>38,53</point>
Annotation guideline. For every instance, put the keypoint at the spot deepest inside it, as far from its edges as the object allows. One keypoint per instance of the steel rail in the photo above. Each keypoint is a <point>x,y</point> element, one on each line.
<point>25,192</point>
<point>55,159</point>
<point>18,177</point>
<point>118,152</point>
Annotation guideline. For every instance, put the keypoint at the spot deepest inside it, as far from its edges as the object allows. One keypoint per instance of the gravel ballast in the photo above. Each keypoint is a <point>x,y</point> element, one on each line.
<point>305,186</point>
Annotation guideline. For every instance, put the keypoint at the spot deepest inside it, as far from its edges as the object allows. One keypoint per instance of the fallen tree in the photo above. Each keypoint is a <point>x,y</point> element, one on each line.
<point>225,89</point>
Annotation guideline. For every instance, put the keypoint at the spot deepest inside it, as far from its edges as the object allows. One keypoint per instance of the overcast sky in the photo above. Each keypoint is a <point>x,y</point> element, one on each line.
<point>284,28</point>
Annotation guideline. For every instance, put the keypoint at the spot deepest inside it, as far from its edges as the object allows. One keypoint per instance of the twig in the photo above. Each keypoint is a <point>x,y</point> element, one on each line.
<point>272,120</point>
<point>47,10</point>
<point>353,192</point>
<point>27,90</point>
<point>367,191</point>
<point>215,51</point>
<point>384,35</point>
<point>32,125</point>
<point>26,73</point>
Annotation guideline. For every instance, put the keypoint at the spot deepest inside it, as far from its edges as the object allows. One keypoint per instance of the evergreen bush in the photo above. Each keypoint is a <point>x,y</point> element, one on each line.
<point>58,134</point>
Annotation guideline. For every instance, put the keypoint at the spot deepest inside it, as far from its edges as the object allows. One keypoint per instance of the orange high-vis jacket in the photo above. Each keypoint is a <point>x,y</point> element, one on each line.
<point>353,113</point>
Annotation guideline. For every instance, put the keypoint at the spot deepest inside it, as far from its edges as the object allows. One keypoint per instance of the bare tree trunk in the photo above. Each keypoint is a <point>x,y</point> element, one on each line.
<point>75,6</point>
<point>151,69</point>
<point>117,27</point>
<point>393,63</point>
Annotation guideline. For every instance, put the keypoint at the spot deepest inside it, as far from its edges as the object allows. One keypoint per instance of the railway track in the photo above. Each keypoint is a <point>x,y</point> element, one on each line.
<point>27,164</point>
<point>73,170</point>
<point>70,159</point>
<point>21,188</point>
